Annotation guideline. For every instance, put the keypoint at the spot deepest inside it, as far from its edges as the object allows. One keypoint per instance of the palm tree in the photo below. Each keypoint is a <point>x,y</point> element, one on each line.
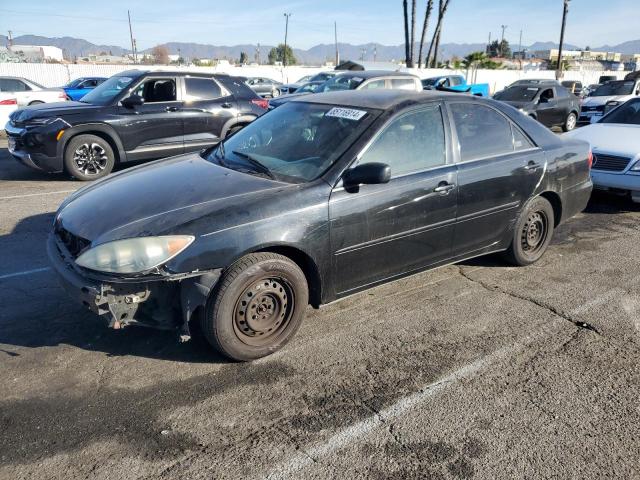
<point>406,32</point>
<point>413,34</point>
<point>433,48</point>
<point>425,26</point>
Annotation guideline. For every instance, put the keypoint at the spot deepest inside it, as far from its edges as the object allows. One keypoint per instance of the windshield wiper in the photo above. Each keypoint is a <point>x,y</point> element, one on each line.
<point>261,168</point>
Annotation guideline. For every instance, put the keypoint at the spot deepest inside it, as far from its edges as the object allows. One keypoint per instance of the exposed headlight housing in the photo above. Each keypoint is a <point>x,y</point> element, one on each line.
<point>41,121</point>
<point>134,255</point>
<point>636,167</point>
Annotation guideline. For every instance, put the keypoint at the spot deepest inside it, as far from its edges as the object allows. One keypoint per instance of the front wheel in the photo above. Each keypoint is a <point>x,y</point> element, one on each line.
<point>257,306</point>
<point>88,157</point>
<point>532,233</point>
<point>570,123</point>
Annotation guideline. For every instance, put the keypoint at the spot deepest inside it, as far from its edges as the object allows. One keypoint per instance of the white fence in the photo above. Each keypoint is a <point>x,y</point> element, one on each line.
<point>55,75</point>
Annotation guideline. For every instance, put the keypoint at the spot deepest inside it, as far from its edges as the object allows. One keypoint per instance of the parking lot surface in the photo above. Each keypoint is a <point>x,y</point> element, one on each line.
<point>476,370</point>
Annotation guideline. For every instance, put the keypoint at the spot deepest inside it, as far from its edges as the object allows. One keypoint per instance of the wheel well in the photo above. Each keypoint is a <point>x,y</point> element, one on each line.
<point>574,112</point>
<point>556,203</point>
<point>105,136</point>
<point>235,125</point>
<point>308,267</point>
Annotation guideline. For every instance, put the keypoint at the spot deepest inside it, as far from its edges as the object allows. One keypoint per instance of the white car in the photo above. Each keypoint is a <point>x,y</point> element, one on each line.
<point>615,143</point>
<point>30,93</point>
<point>607,97</point>
<point>8,103</point>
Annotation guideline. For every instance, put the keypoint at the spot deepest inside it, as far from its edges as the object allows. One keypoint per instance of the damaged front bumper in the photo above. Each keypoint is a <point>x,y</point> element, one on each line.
<point>165,301</point>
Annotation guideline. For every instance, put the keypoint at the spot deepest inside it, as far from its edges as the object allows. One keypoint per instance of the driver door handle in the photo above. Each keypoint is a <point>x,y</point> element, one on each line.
<point>172,109</point>
<point>226,105</point>
<point>532,165</point>
<point>444,188</point>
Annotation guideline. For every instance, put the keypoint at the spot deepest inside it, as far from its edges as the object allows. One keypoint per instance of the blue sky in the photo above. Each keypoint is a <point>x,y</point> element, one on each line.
<point>591,22</point>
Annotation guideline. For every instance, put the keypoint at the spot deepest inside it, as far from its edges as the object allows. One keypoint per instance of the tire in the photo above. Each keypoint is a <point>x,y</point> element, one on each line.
<point>88,157</point>
<point>267,284</point>
<point>570,123</point>
<point>532,233</point>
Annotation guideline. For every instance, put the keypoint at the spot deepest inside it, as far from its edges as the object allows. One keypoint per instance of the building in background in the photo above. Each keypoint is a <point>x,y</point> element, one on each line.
<point>37,53</point>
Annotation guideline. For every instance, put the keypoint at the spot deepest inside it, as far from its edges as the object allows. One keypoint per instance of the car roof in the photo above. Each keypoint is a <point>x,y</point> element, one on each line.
<point>138,73</point>
<point>378,99</point>
<point>366,74</point>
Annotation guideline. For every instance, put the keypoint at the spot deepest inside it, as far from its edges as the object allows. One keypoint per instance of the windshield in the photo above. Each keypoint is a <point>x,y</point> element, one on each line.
<point>341,82</point>
<point>518,94</point>
<point>73,83</point>
<point>322,76</point>
<point>614,88</point>
<point>628,113</point>
<point>104,93</point>
<point>309,88</point>
<point>304,79</point>
<point>430,82</point>
<point>295,143</point>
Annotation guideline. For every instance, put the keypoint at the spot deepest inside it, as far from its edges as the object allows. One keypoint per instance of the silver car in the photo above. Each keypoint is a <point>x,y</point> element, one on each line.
<point>29,92</point>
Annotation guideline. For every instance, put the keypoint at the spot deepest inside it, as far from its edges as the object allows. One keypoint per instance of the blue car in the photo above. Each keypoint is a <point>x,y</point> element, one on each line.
<point>78,88</point>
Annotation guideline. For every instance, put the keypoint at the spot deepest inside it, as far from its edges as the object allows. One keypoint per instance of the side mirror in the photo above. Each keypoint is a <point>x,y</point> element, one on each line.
<point>132,101</point>
<point>367,174</point>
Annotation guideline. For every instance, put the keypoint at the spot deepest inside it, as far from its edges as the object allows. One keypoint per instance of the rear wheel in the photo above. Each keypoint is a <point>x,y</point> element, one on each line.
<point>257,306</point>
<point>570,123</point>
<point>88,157</point>
<point>532,234</point>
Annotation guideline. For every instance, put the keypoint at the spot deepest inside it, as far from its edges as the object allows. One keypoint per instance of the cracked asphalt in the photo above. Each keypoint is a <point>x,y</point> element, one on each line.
<point>476,370</point>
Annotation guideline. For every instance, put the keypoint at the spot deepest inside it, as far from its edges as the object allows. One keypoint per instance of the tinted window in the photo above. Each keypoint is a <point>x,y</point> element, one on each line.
<point>547,94</point>
<point>374,84</point>
<point>13,85</point>
<point>412,142</point>
<point>517,94</point>
<point>520,141</point>
<point>403,83</point>
<point>482,132</point>
<point>157,90</point>
<point>456,81</point>
<point>202,89</point>
<point>627,113</point>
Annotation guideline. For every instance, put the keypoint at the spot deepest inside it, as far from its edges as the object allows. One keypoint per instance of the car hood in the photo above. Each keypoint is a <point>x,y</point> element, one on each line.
<point>613,138</point>
<point>598,101</point>
<point>54,109</point>
<point>159,197</point>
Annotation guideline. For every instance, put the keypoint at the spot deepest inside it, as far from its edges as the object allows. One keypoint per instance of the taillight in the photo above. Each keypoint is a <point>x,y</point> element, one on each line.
<point>63,95</point>
<point>9,101</point>
<point>261,102</point>
<point>590,159</point>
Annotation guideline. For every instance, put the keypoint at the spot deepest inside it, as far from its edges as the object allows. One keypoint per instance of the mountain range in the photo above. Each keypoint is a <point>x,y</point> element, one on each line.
<point>77,47</point>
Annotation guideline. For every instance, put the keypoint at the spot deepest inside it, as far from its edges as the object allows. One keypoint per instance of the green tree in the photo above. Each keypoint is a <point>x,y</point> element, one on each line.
<point>499,48</point>
<point>244,58</point>
<point>277,54</point>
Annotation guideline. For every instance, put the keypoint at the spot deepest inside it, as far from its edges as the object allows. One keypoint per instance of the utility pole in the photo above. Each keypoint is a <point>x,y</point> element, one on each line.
<point>133,44</point>
<point>286,31</point>
<point>520,46</point>
<point>179,56</point>
<point>257,55</point>
<point>564,23</point>
<point>489,45</point>
<point>375,53</point>
<point>363,52</point>
<point>335,36</point>
<point>10,39</point>
<point>135,51</point>
<point>504,27</point>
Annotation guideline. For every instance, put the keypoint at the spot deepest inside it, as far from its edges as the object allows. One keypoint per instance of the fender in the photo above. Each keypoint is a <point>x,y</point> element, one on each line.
<point>91,127</point>
<point>235,121</point>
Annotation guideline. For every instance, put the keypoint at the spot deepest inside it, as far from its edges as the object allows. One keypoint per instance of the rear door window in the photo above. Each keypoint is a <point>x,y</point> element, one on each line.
<point>482,132</point>
<point>202,89</point>
<point>375,84</point>
<point>403,83</point>
<point>13,85</point>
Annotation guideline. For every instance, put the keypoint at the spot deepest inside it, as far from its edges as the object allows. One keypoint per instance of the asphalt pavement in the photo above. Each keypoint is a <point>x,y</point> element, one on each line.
<point>476,370</point>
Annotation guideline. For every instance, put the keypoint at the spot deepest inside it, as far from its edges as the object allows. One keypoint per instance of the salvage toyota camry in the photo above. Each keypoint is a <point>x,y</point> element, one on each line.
<point>326,196</point>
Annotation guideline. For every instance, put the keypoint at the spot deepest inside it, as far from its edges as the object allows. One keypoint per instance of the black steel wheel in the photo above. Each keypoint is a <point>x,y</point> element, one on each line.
<point>88,157</point>
<point>532,233</point>
<point>256,307</point>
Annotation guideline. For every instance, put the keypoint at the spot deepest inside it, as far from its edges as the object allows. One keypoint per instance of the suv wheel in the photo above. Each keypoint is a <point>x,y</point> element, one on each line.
<point>88,157</point>
<point>257,306</point>
<point>570,123</point>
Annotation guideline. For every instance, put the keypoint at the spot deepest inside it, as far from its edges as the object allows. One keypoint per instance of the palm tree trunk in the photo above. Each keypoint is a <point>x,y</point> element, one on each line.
<point>433,48</point>
<point>413,34</point>
<point>406,32</point>
<point>425,26</point>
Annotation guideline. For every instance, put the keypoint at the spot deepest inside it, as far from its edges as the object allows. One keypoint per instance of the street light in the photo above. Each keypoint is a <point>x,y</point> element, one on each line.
<point>564,22</point>
<point>286,31</point>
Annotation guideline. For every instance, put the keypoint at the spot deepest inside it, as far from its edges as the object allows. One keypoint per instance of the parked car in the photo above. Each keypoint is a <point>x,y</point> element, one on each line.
<point>534,81</point>
<point>456,82</point>
<point>615,140</point>
<point>552,105</point>
<point>606,78</point>
<point>78,88</point>
<point>265,87</point>
<point>310,87</point>
<point>326,196</point>
<point>591,88</point>
<point>574,87</point>
<point>8,103</point>
<point>133,116</point>
<point>289,88</point>
<point>360,80</point>
<point>606,97</point>
<point>28,92</point>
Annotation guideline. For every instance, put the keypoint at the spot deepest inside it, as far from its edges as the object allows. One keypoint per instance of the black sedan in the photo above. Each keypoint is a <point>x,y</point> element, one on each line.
<point>326,196</point>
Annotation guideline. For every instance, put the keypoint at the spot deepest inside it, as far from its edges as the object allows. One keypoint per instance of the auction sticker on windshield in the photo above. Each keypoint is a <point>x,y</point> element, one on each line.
<point>347,113</point>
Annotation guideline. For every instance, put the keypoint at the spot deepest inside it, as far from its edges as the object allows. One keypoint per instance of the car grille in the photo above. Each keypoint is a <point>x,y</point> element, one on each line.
<point>74,244</point>
<point>610,163</point>
<point>599,108</point>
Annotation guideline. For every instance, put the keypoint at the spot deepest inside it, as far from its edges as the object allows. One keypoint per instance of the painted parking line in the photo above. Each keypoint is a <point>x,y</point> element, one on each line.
<point>59,192</point>
<point>26,272</point>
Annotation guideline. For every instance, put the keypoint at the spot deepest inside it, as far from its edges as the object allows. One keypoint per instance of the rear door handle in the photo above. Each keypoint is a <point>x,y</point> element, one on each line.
<point>226,105</point>
<point>172,109</point>
<point>532,166</point>
<point>444,188</point>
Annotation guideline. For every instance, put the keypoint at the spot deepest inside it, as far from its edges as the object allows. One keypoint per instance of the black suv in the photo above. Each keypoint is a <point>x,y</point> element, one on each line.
<point>133,116</point>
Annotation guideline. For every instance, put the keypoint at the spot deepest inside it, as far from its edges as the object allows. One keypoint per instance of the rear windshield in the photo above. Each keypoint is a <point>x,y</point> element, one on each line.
<point>614,88</point>
<point>628,113</point>
<point>518,94</point>
<point>342,82</point>
<point>296,142</point>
